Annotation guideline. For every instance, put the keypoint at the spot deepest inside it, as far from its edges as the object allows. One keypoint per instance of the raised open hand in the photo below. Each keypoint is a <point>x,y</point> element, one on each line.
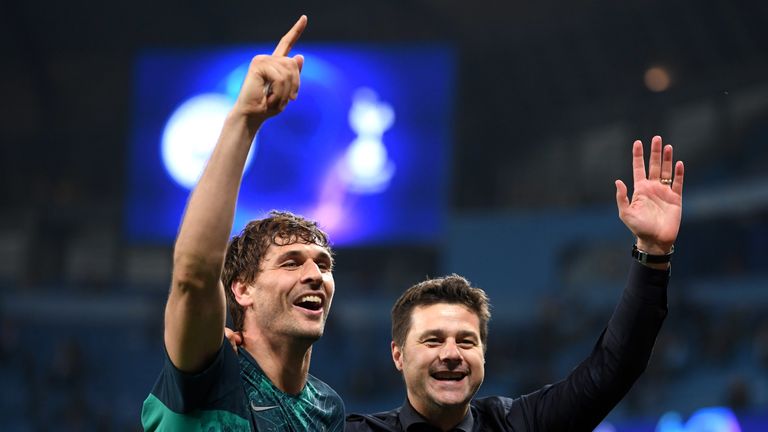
<point>656,208</point>
<point>272,80</point>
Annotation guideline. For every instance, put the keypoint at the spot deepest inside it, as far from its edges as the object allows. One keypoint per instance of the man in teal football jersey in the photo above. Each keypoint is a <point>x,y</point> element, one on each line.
<point>275,277</point>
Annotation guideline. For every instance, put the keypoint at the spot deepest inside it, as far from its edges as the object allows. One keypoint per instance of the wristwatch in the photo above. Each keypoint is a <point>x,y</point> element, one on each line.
<point>646,258</point>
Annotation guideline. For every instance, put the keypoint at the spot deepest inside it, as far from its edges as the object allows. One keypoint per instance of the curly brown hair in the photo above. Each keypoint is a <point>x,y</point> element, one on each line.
<point>246,251</point>
<point>452,289</point>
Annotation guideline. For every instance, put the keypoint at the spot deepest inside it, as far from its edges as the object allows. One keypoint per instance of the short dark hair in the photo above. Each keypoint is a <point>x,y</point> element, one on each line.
<point>246,251</point>
<point>449,289</point>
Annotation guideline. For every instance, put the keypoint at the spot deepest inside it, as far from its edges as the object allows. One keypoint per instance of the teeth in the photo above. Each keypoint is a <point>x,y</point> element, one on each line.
<point>310,299</point>
<point>453,376</point>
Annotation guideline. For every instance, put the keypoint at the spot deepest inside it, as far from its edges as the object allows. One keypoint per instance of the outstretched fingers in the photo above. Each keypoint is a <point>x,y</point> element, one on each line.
<point>289,40</point>
<point>654,161</point>
<point>666,162</point>
<point>638,164</point>
<point>677,184</point>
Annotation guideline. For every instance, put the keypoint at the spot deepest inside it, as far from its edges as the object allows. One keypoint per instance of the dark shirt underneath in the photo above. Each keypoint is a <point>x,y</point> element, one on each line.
<point>580,401</point>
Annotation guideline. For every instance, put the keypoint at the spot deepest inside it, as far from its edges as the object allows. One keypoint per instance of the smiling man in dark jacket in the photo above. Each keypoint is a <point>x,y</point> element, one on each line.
<point>439,333</point>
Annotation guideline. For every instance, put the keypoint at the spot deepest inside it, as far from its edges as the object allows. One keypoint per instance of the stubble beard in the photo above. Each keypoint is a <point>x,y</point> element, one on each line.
<point>277,321</point>
<point>301,329</point>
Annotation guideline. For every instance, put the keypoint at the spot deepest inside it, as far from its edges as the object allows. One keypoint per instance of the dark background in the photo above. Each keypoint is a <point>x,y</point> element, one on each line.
<point>550,97</point>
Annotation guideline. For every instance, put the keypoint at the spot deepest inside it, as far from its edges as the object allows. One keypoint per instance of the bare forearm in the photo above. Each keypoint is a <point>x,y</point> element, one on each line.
<point>207,223</point>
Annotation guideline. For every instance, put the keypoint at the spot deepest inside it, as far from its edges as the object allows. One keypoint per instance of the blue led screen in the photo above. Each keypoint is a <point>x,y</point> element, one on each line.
<point>363,150</point>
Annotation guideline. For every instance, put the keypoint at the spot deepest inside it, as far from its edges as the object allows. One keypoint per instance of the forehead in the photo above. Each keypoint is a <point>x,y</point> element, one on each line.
<point>445,317</point>
<point>311,250</point>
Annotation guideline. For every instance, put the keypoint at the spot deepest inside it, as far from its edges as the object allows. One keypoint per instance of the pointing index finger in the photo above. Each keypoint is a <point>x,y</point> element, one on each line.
<point>286,43</point>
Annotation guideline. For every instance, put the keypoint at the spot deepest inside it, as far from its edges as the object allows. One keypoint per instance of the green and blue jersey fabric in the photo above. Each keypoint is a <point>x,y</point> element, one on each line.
<point>233,394</point>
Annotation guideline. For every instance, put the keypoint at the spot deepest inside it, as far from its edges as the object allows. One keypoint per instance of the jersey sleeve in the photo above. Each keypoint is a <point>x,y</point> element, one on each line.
<point>178,398</point>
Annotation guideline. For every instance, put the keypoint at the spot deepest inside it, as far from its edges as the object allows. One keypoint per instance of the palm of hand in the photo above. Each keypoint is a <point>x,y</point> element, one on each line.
<point>654,214</point>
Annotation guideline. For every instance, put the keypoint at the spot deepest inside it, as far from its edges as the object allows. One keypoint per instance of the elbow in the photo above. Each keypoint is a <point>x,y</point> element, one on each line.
<point>193,273</point>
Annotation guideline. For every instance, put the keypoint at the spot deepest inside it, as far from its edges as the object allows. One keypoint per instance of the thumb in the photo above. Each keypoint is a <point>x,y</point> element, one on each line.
<point>622,202</point>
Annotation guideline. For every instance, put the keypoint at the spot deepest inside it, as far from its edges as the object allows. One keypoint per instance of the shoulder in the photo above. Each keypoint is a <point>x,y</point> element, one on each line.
<point>182,392</point>
<point>493,403</point>
<point>322,389</point>
<point>325,404</point>
<point>211,398</point>
<point>320,385</point>
<point>382,421</point>
<point>501,413</point>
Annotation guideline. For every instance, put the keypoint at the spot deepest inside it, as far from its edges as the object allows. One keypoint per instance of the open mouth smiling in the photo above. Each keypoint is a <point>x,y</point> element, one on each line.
<point>449,375</point>
<point>310,302</point>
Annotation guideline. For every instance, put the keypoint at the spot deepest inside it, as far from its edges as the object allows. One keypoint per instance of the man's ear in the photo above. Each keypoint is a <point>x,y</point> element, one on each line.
<point>397,356</point>
<point>242,293</point>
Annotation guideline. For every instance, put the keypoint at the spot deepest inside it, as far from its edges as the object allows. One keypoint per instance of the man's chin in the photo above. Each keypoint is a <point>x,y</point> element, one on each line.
<point>454,397</point>
<point>451,400</point>
<point>309,333</point>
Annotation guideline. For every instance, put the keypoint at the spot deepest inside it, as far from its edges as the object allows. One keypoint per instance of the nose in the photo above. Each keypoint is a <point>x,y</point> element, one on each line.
<point>311,274</point>
<point>450,353</point>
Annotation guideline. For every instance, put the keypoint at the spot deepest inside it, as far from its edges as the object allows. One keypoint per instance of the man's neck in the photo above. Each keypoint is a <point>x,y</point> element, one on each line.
<point>445,418</point>
<point>285,361</point>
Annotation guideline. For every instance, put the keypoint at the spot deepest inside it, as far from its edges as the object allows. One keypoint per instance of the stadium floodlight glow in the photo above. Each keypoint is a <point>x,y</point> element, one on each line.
<point>657,79</point>
<point>712,419</point>
<point>191,134</point>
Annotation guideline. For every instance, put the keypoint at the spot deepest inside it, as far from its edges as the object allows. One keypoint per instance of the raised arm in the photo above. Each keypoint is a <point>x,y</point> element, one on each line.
<point>196,309</point>
<point>621,354</point>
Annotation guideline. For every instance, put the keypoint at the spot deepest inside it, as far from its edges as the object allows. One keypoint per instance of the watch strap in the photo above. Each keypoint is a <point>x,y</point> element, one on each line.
<point>646,258</point>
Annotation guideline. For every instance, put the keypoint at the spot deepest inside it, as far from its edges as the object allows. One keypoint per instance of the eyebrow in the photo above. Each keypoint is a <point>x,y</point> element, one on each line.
<point>292,254</point>
<point>441,333</point>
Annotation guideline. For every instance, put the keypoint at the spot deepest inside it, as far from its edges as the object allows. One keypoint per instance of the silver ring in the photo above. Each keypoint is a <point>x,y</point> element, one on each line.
<point>667,182</point>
